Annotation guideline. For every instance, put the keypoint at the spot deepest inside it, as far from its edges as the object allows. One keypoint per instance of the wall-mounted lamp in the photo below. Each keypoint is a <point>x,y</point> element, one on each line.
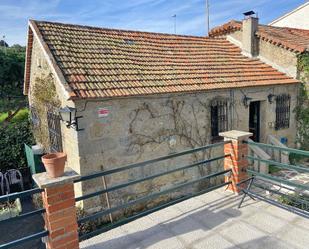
<point>68,115</point>
<point>271,98</point>
<point>246,101</point>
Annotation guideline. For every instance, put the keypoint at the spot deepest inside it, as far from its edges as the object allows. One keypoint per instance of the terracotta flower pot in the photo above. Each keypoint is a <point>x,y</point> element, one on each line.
<point>54,164</point>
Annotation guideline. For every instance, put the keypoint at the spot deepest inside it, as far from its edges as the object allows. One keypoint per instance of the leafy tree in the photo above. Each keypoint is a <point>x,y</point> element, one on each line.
<point>12,62</point>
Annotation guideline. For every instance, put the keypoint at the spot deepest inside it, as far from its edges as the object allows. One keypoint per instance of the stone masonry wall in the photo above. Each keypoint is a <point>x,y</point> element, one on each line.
<point>40,69</point>
<point>279,58</point>
<point>139,129</point>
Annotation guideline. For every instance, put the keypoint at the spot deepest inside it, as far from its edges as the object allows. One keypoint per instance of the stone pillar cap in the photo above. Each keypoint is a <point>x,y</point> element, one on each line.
<point>236,135</point>
<point>44,181</point>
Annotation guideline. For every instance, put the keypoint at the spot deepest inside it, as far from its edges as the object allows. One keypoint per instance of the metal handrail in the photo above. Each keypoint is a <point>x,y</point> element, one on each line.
<point>25,193</point>
<point>298,211</point>
<point>146,163</point>
<point>277,179</point>
<point>123,185</point>
<point>277,192</point>
<point>280,165</point>
<point>22,216</point>
<point>149,211</point>
<point>296,151</point>
<point>148,197</point>
<point>24,239</point>
<point>14,196</point>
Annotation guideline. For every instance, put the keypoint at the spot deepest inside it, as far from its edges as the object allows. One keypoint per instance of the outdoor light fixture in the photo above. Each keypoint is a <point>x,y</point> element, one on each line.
<point>68,115</point>
<point>271,98</point>
<point>246,101</point>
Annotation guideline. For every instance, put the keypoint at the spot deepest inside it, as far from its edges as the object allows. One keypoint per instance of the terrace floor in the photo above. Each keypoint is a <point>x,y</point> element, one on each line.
<point>211,221</point>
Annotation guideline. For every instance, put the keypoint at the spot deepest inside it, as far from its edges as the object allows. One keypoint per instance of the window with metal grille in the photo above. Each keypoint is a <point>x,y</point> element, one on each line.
<point>34,115</point>
<point>282,111</point>
<point>54,130</point>
<point>219,118</point>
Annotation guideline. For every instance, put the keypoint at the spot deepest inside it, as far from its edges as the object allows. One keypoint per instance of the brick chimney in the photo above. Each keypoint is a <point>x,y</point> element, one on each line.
<point>249,39</point>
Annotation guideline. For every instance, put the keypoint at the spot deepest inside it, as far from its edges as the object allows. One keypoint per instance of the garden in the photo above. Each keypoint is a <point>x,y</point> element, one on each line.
<point>15,129</point>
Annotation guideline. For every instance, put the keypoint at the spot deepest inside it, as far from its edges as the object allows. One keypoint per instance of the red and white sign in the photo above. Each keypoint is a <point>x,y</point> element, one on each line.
<point>103,112</point>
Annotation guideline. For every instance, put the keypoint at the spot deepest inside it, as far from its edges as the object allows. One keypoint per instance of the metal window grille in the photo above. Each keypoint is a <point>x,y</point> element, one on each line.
<point>219,118</point>
<point>283,103</point>
<point>34,116</point>
<point>54,129</point>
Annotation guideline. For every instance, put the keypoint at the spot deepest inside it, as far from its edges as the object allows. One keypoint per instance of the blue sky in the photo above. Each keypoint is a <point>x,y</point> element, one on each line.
<point>146,15</point>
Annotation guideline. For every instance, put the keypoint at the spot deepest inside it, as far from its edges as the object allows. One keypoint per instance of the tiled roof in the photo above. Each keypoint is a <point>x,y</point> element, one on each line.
<point>99,62</point>
<point>292,39</point>
<point>226,28</point>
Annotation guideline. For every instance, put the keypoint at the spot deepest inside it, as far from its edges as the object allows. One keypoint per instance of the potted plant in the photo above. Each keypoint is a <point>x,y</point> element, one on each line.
<point>54,164</point>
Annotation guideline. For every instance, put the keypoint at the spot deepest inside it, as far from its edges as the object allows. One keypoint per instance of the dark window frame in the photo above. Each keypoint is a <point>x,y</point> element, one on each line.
<point>34,117</point>
<point>54,129</point>
<point>219,116</point>
<point>283,110</point>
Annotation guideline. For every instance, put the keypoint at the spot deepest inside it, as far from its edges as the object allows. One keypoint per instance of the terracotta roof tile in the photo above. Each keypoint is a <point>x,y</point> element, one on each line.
<point>289,38</point>
<point>99,62</point>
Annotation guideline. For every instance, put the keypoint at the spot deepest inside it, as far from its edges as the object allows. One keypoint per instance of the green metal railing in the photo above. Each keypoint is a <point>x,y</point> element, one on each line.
<point>150,196</point>
<point>277,181</point>
<point>280,165</point>
<point>269,146</point>
<point>148,162</point>
<point>25,239</point>
<point>149,211</point>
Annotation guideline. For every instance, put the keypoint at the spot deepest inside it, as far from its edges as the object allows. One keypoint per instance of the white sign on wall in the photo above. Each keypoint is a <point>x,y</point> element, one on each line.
<point>103,112</point>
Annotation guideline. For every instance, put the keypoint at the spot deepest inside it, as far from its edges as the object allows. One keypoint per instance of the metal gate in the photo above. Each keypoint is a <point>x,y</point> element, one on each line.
<point>54,129</point>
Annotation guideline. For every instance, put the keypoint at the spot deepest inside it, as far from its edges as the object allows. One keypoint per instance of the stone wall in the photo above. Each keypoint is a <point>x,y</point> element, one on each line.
<point>40,69</point>
<point>280,58</point>
<point>142,128</point>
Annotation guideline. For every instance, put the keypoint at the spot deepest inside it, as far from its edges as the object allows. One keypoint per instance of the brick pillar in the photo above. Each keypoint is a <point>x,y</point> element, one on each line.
<point>60,216</point>
<point>238,161</point>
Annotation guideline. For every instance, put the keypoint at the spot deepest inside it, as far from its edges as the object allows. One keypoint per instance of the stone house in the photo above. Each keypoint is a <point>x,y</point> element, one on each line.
<point>142,95</point>
<point>297,18</point>
<point>286,49</point>
<point>280,47</point>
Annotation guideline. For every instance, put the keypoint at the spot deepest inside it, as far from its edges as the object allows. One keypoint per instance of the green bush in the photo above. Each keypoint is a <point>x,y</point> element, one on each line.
<point>12,139</point>
<point>296,158</point>
<point>295,200</point>
<point>273,169</point>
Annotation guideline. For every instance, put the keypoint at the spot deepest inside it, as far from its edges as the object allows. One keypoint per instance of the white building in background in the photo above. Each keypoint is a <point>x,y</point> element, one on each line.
<point>297,18</point>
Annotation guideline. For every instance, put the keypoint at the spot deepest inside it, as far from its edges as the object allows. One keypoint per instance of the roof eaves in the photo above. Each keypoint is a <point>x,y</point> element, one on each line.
<point>233,26</point>
<point>28,61</point>
<point>275,41</point>
<point>226,28</point>
<point>68,92</point>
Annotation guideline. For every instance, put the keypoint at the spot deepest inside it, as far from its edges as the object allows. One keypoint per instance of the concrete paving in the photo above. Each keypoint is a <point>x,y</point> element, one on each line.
<point>210,221</point>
